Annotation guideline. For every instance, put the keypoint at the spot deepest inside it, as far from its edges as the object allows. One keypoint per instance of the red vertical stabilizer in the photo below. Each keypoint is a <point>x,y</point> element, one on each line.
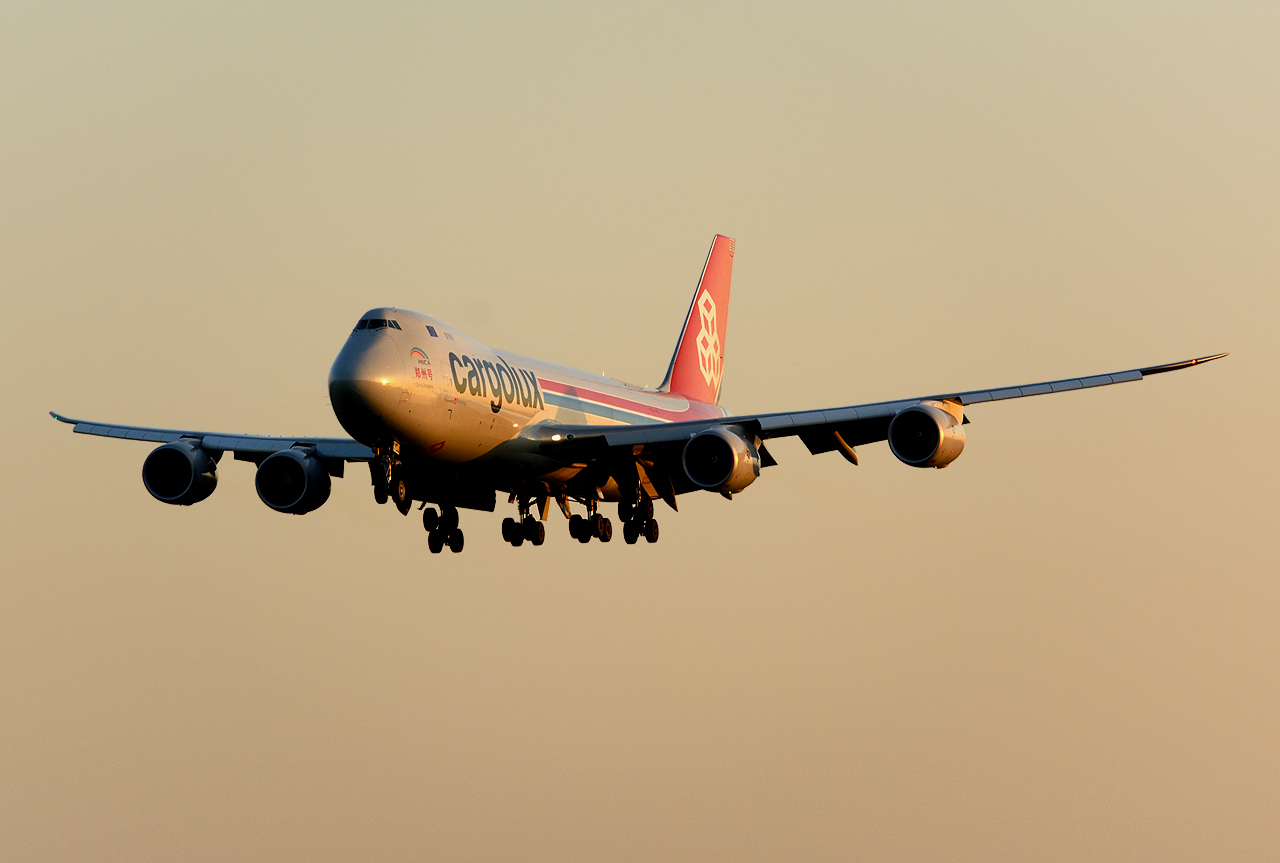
<point>698,363</point>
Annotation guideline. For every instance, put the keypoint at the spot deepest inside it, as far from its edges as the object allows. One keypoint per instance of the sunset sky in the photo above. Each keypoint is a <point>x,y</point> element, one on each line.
<point>1064,647</point>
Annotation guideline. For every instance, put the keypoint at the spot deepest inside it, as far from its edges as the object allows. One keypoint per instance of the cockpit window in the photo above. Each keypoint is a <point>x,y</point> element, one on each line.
<point>376,324</point>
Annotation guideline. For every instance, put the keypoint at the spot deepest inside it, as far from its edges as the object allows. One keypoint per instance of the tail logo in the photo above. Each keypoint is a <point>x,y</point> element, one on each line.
<point>709,342</point>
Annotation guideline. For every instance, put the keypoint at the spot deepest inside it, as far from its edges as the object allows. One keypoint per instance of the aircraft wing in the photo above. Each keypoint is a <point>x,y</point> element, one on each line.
<point>855,424</point>
<point>246,447</point>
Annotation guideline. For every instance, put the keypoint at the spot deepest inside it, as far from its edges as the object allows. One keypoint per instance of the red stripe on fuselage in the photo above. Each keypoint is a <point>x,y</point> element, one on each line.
<point>694,411</point>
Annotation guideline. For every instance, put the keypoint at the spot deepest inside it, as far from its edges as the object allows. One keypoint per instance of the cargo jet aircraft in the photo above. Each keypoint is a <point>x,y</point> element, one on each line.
<point>442,419</point>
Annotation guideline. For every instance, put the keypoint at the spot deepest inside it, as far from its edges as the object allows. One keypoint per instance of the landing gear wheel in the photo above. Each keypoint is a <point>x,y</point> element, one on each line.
<point>509,530</point>
<point>651,530</point>
<point>534,531</point>
<point>449,518</point>
<point>630,532</point>
<point>625,508</point>
<point>605,529</point>
<point>380,493</point>
<point>643,511</point>
<point>400,494</point>
<point>435,541</point>
<point>430,518</point>
<point>578,528</point>
<point>455,541</point>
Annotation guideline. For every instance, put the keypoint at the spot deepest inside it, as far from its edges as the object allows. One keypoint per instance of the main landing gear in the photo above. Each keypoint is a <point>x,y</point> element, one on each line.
<point>637,521</point>
<point>594,526</point>
<point>442,529</point>
<point>516,531</point>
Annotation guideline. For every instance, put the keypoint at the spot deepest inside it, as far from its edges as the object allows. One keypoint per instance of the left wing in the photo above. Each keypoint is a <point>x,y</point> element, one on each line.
<point>856,424</point>
<point>246,447</point>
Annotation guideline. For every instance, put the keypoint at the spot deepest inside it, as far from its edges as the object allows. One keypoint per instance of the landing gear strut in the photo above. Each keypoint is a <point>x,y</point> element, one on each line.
<point>527,527</point>
<point>594,525</point>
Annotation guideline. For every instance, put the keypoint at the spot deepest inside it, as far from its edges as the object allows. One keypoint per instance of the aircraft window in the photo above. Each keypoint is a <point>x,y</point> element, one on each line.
<point>432,330</point>
<point>376,324</point>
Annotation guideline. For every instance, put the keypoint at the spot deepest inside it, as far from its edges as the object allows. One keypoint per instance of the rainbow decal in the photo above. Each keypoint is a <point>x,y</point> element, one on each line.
<point>417,354</point>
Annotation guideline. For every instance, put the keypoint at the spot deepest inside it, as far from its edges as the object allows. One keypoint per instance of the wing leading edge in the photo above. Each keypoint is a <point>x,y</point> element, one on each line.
<point>855,424</point>
<point>245,447</point>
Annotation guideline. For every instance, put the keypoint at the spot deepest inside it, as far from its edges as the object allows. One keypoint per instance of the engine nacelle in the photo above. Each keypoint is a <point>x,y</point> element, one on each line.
<point>720,460</point>
<point>292,480</point>
<point>929,434</point>
<point>180,473</point>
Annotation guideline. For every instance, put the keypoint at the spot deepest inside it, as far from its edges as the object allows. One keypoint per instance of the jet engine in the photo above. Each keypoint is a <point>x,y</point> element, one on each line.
<point>719,459</point>
<point>292,480</point>
<point>928,434</point>
<point>180,473</point>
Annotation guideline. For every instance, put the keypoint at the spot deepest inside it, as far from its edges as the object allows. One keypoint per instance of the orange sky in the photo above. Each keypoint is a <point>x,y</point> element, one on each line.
<point>1061,648</point>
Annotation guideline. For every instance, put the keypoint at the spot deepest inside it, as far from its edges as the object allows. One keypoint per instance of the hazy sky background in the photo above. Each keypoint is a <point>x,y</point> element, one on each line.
<point>1064,647</point>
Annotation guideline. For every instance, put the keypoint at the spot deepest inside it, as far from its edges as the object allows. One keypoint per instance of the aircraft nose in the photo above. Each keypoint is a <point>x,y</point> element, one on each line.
<point>365,384</point>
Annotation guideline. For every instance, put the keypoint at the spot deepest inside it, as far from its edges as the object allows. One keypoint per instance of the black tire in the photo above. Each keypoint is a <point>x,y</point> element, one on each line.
<point>539,533</point>
<point>400,494</point>
<point>593,525</point>
<point>435,541</point>
<point>643,511</point>
<point>455,541</point>
<point>509,530</point>
<point>449,518</point>
<point>430,519</point>
<point>651,530</point>
<point>625,509</point>
<point>630,532</point>
<point>606,530</point>
<point>577,526</point>
<point>380,493</point>
<point>531,528</point>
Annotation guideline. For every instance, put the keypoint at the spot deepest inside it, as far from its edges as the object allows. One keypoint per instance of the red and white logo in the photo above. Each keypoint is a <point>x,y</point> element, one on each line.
<point>709,361</point>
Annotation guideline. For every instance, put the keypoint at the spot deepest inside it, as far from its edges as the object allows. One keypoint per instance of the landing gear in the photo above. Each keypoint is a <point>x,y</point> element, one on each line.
<point>517,530</point>
<point>442,529</point>
<point>638,521</point>
<point>378,470</point>
<point>595,526</point>
<point>455,541</point>
<point>400,493</point>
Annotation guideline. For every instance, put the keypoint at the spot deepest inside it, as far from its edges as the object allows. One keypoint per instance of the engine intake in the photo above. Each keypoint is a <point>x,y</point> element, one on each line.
<point>180,473</point>
<point>718,459</point>
<point>292,480</point>
<point>928,434</point>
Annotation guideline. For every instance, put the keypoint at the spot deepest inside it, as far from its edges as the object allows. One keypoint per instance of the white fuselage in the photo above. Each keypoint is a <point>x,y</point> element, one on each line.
<point>439,393</point>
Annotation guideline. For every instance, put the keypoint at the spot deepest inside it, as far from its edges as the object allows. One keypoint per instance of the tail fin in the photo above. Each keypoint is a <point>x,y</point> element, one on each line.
<point>698,363</point>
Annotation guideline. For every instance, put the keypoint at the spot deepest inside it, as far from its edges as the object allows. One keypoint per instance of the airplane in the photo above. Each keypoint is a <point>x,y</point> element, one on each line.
<point>442,419</point>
